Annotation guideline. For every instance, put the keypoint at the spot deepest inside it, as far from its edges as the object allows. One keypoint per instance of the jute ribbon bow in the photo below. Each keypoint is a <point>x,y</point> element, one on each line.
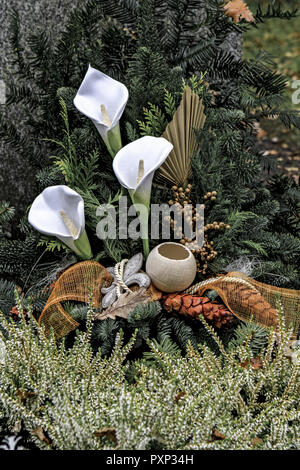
<point>75,284</point>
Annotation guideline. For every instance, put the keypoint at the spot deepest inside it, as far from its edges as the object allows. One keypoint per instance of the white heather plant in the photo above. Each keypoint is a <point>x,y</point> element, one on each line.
<point>69,398</point>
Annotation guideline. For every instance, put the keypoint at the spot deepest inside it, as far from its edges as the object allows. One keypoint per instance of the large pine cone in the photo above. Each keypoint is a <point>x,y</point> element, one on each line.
<point>194,306</point>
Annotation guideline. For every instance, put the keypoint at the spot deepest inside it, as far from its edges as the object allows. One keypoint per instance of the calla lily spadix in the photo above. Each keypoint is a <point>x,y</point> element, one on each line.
<point>134,166</point>
<point>59,211</point>
<point>103,99</point>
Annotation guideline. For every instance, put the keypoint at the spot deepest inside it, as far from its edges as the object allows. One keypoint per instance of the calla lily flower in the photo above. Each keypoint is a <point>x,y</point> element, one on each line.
<point>59,211</point>
<point>134,166</point>
<point>103,100</point>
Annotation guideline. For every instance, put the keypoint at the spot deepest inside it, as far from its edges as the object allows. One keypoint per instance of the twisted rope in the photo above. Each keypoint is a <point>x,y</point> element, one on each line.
<point>192,290</point>
<point>119,271</point>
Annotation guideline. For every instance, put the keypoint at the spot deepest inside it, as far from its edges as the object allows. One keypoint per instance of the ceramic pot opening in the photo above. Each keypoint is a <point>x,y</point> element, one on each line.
<point>173,251</point>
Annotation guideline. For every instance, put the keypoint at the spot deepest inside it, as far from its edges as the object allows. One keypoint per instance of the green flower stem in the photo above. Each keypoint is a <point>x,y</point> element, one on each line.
<point>113,141</point>
<point>112,154</point>
<point>146,247</point>
<point>144,220</point>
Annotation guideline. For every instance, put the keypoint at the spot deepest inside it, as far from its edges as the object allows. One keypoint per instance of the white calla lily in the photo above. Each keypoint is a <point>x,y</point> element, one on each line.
<point>103,99</point>
<point>59,211</point>
<point>134,166</point>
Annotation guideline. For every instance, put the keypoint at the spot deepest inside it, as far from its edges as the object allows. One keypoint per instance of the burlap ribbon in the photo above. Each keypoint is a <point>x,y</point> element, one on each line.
<point>75,284</point>
<point>246,298</point>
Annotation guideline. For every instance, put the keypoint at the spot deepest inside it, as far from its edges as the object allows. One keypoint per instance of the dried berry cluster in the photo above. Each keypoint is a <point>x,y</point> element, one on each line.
<point>181,195</point>
<point>211,195</point>
<point>205,253</point>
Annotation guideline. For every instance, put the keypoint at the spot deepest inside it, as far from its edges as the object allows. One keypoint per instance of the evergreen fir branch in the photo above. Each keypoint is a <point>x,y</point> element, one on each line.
<point>198,56</point>
<point>11,135</point>
<point>183,333</point>
<point>255,247</point>
<point>115,249</point>
<point>218,118</point>
<point>290,118</point>
<point>222,65</point>
<point>21,94</point>
<point>144,313</point>
<point>165,347</point>
<point>49,176</point>
<point>84,21</point>
<point>40,46</point>
<point>17,257</point>
<point>105,333</point>
<point>6,213</point>
<point>78,312</point>
<point>164,328</point>
<point>149,76</point>
<point>278,273</point>
<point>7,295</point>
<point>237,219</point>
<point>15,43</point>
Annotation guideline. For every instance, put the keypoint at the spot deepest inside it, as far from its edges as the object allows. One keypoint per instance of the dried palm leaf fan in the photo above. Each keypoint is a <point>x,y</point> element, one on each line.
<point>181,133</point>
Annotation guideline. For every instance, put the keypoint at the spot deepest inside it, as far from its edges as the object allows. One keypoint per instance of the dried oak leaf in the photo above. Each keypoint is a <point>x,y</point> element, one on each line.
<point>111,433</point>
<point>124,305</point>
<point>238,10</point>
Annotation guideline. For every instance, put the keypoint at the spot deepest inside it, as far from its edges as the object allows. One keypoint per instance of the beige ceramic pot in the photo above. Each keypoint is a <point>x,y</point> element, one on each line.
<point>171,267</point>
